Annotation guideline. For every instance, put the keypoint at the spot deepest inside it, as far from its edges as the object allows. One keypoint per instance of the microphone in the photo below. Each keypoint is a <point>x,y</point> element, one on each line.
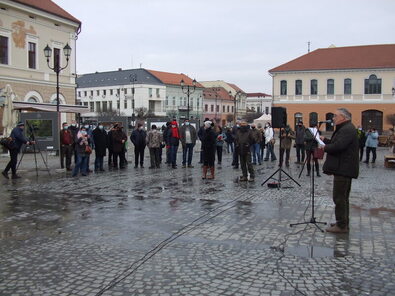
<point>325,121</point>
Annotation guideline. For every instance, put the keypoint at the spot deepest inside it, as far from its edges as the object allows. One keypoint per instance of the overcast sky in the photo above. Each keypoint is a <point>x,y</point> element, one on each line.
<point>237,41</point>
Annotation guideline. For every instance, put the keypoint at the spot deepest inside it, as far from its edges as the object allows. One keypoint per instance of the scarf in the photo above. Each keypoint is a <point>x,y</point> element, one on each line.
<point>174,130</point>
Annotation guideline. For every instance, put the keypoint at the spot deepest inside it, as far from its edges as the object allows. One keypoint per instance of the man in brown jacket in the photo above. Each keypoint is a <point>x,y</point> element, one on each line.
<point>286,137</point>
<point>243,141</point>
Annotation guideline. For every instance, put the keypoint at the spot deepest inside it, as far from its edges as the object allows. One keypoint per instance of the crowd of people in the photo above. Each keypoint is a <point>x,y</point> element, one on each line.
<point>247,144</point>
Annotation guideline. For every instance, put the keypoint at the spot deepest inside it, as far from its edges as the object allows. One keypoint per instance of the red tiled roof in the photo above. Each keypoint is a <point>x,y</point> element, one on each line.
<point>49,6</point>
<point>334,58</point>
<point>235,87</point>
<point>257,95</point>
<point>173,78</point>
<point>211,92</point>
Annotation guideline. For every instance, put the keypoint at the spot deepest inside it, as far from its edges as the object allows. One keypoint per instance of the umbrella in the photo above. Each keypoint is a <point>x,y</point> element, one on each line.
<point>9,114</point>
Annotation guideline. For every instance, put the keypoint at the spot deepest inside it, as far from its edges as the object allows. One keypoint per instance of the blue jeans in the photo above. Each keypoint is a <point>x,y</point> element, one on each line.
<point>187,149</point>
<point>255,151</point>
<point>173,155</point>
<point>229,147</point>
<point>81,165</point>
<point>270,152</point>
<point>99,163</point>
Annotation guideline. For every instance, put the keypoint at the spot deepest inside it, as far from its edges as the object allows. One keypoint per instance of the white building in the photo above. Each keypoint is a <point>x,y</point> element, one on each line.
<point>122,92</point>
<point>259,102</point>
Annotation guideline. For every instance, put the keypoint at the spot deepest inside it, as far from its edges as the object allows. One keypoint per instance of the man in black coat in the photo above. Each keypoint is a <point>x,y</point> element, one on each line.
<point>342,161</point>
<point>19,139</point>
<point>138,138</point>
<point>100,141</point>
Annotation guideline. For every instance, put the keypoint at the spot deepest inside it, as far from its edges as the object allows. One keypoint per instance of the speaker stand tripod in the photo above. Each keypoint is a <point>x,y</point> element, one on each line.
<point>32,138</point>
<point>279,171</point>
<point>312,218</point>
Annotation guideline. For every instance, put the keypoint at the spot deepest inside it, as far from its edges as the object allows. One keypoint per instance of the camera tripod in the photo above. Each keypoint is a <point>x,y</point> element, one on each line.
<point>32,138</point>
<point>312,218</point>
<point>279,171</point>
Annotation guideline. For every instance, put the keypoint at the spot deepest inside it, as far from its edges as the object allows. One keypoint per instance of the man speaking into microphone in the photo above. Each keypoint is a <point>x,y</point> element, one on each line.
<point>342,161</point>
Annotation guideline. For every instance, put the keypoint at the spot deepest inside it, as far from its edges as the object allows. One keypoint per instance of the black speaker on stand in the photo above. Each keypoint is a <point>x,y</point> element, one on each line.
<point>279,120</point>
<point>279,117</point>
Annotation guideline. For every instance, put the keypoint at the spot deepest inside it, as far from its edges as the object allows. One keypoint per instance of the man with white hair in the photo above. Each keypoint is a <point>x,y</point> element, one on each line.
<point>342,161</point>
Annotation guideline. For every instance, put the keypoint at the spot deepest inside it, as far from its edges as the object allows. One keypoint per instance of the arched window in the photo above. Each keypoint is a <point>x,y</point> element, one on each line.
<point>32,100</point>
<point>298,87</point>
<point>313,87</point>
<point>330,87</point>
<point>313,118</point>
<point>372,118</point>
<point>347,86</point>
<point>298,117</point>
<point>283,87</point>
<point>373,85</point>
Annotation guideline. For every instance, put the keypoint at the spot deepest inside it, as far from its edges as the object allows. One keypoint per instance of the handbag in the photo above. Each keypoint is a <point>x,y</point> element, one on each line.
<point>88,149</point>
<point>318,153</point>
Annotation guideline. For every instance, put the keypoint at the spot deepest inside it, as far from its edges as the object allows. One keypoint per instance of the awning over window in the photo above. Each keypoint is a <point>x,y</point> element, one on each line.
<point>29,106</point>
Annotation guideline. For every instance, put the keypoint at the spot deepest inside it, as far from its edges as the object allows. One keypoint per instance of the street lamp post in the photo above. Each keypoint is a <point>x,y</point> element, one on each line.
<point>133,79</point>
<point>186,90</point>
<point>57,68</point>
<point>238,93</point>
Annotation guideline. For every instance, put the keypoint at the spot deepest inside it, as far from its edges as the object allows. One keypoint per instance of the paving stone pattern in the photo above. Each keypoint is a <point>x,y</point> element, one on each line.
<point>168,232</point>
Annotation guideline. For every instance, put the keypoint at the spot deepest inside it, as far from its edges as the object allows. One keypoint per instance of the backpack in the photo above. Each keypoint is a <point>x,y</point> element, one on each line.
<point>7,142</point>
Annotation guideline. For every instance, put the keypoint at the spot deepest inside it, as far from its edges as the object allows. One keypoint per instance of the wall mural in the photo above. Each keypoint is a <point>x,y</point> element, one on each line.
<point>19,33</point>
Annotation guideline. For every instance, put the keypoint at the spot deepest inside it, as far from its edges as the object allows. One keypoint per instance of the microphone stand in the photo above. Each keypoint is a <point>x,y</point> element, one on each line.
<point>312,218</point>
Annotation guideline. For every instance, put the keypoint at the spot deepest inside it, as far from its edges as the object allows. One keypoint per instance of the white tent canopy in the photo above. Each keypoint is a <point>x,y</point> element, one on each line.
<point>263,119</point>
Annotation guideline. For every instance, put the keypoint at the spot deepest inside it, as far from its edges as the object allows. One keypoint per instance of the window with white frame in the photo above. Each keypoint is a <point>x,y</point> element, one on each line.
<point>31,56</point>
<point>330,87</point>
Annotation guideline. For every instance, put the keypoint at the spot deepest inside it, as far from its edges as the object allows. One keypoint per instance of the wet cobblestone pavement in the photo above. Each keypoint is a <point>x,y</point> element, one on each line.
<point>168,232</point>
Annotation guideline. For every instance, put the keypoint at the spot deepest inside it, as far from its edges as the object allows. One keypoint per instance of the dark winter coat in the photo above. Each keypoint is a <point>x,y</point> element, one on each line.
<point>109,140</point>
<point>19,138</point>
<point>342,157</point>
<point>209,145</point>
<point>229,136</point>
<point>138,138</point>
<point>244,139</point>
<point>299,131</point>
<point>100,141</point>
<point>117,137</point>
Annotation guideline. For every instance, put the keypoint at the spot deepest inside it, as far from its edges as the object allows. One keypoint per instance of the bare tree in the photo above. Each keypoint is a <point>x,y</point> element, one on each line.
<point>108,113</point>
<point>141,112</point>
<point>391,119</point>
<point>250,116</point>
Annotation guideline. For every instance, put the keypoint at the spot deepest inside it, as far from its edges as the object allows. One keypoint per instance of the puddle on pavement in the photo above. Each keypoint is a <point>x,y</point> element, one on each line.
<point>310,251</point>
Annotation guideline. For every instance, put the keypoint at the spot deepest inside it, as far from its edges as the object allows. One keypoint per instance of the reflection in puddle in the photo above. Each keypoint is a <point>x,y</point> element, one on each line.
<point>310,251</point>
